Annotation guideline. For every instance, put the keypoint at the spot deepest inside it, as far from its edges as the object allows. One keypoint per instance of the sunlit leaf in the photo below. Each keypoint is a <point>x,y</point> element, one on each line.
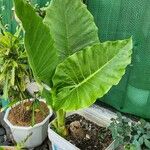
<point>90,73</point>
<point>71,25</point>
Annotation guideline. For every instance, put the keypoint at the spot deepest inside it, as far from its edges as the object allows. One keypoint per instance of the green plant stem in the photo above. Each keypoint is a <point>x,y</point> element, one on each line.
<point>5,89</point>
<point>22,96</point>
<point>59,123</point>
<point>61,117</point>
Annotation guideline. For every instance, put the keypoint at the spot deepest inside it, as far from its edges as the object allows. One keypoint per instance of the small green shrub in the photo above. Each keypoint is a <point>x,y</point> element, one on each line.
<point>14,68</point>
<point>131,135</point>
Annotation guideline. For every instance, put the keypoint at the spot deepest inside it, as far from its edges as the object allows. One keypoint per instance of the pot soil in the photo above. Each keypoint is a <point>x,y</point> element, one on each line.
<point>7,148</point>
<point>87,135</point>
<point>21,114</point>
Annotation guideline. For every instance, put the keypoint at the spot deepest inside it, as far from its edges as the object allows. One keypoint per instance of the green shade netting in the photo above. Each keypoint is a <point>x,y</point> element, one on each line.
<point>119,19</point>
<point>7,14</point>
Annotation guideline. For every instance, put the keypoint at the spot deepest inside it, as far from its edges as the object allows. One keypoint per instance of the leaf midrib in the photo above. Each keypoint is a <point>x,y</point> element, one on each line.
<point>93,74</point>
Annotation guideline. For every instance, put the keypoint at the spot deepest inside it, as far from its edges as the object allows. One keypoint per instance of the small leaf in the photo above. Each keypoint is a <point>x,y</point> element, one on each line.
<point>119,115</point>
<point>136,137</point>
<point>141,140</point>
<point>143,122</point>
<point>5,89</point>
<point>12,76</point>
<point>146,136</point>
<point>147,143</point>
<point>137,145</point>
<point>147,126</point>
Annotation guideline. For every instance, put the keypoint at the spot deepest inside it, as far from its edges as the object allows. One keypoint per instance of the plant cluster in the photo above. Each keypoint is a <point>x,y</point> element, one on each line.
<point>131,135</point>
<point>15,73</point>
<point>14,68</point>
<point>66,56</point>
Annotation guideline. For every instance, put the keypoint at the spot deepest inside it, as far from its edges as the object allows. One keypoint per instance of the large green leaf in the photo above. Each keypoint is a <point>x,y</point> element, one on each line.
<point>38,41</point>
<point>72,26</point>
<point>89,74</point>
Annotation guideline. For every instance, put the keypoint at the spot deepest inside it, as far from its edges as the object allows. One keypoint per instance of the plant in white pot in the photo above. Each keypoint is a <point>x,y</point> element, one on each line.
<point>65,54</point>
<point>25,117</point>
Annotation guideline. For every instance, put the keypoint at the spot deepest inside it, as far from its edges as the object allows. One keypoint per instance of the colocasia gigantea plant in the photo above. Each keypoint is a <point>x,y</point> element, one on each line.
<point>65,54</point>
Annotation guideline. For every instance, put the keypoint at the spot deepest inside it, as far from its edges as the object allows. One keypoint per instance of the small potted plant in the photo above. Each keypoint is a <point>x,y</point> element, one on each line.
<point>29,117</point>
<point>24,115</point>
<point>74,69</point>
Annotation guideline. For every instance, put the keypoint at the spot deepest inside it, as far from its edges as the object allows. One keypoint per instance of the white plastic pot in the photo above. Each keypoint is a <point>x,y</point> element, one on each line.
<point>37,133</point>
<point>101,118</point>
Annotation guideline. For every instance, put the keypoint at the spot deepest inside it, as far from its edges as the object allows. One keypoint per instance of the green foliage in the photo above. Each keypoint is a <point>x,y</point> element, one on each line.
<point>71,25</point>
<point>132,135</point>
<point>13,65</point>
<point>34,108</point>
<point>65,53</point>
<point>83,76</point>
<point>141,134</point>
<point>89,74</point>
<point>39,43</point>
<point>121,130</point>
<point>130,147</point>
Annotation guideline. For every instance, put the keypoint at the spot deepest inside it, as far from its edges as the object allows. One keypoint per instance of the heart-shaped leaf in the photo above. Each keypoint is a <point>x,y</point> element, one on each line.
<point>90,73</point>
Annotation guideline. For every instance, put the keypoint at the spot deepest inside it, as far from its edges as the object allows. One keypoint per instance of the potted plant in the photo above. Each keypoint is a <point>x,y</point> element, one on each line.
<point>130,135</point>
<point>29,118</point>
<point>23,116</point>
<point>71,64</point>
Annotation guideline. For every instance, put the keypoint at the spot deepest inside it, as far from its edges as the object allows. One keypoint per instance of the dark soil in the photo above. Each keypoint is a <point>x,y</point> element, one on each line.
<point>96,137</point>
<point>21,115</point>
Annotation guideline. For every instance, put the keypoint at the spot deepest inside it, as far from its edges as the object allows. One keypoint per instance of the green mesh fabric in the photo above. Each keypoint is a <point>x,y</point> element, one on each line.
<point>6,12</point>
<point>119,19</point>
<point>41,3</point>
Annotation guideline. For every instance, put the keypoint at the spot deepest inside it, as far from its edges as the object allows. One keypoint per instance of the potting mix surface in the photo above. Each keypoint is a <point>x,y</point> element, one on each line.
<point>21,115</point>
<point>91,137</point>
